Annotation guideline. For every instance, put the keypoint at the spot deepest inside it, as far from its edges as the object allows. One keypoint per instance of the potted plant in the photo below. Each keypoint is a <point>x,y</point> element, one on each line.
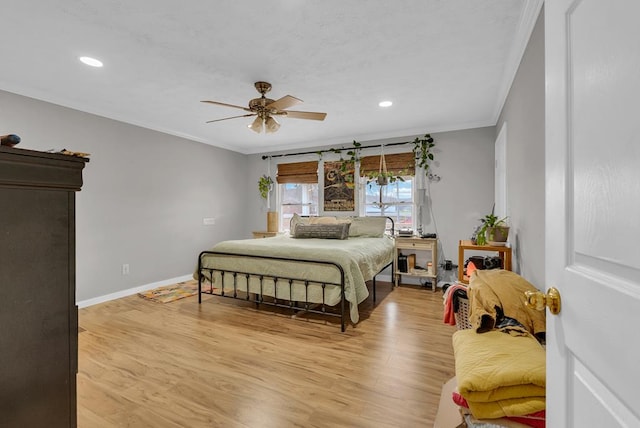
<point>422,150</point>
<point>382,178</point>
<point>493,231</point>
<point>265,184</point>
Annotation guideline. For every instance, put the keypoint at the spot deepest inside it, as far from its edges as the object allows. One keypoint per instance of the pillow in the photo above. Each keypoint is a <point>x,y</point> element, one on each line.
<point>323,220</point>
<point>368,227</point>
<point>297,219</point>
<point>323,231</point>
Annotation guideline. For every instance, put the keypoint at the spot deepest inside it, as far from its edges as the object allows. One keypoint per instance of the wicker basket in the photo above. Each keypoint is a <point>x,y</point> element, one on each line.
<point>462,315</point>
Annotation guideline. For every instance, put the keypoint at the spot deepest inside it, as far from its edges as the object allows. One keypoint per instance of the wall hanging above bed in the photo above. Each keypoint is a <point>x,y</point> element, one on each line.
<point>339,187</point>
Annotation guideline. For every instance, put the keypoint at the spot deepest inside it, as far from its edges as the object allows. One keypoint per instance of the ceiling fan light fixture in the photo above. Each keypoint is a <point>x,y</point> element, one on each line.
<point>265,108</point>
<point>256,126</point>
<point>385,103</point>
<point>271,125</point>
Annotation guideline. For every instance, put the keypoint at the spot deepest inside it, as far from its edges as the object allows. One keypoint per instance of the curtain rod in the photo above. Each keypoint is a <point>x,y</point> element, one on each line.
<point>264,157</point>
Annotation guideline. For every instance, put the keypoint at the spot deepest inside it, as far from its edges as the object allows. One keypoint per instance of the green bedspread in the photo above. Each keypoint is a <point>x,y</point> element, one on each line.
<point>360,258</point>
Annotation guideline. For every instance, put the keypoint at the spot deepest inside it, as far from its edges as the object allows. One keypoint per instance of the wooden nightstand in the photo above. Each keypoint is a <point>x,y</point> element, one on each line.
<point>262,234</point>
<point>415,244</point>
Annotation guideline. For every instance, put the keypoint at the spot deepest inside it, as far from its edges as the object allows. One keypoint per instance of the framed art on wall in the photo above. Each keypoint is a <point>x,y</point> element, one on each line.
<point>339,187</point>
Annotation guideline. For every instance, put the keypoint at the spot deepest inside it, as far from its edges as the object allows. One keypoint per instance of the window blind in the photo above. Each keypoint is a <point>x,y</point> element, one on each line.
<point>397,163</point>
<point>298,172</point>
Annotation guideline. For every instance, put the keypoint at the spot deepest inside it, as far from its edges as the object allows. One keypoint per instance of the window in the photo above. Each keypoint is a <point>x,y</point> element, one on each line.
<point>297,190</point>
<point>397,201</point>
<point>301,198</point>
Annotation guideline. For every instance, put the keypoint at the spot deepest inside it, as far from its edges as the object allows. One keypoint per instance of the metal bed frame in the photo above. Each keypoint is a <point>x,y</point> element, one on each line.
<point>259,298</point>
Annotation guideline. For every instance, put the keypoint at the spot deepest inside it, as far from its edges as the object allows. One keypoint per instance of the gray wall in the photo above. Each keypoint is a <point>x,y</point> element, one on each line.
<point>146,193</point>
<point>523,112</point>
<point>464,161</point>
<point>144,197</point>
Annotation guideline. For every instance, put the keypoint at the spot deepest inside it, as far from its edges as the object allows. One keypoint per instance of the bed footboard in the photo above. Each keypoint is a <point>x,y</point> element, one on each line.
<point>268,289</point>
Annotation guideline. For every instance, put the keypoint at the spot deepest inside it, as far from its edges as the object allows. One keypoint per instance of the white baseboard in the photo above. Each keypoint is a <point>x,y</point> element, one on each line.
<point>130,291</point>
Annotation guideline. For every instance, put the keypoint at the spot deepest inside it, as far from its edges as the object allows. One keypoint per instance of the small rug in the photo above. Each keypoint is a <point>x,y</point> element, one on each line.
<point>173,292</point>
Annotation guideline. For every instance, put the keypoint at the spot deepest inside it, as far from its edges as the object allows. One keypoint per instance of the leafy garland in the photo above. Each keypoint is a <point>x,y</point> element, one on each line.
<point>422,151</point>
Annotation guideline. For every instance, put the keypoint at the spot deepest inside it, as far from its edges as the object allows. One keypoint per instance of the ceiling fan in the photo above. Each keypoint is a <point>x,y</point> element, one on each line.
<point>265,109</point>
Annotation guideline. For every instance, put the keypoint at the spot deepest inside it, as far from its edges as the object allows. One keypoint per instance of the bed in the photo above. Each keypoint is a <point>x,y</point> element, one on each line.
<point>303,271</point>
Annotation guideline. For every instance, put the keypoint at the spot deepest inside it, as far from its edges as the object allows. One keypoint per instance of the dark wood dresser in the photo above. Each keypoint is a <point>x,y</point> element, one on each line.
<point>38,312</point>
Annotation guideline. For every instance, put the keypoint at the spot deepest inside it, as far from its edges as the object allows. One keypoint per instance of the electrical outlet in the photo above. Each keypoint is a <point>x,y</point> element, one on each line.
<point>208,221</point>
<point>125,269</point>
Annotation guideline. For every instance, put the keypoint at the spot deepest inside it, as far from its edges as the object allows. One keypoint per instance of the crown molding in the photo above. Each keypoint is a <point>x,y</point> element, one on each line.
<point>528,18</point>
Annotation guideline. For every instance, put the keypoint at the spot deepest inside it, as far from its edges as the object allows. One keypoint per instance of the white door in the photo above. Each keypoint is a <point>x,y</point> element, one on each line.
<point>593,211</point>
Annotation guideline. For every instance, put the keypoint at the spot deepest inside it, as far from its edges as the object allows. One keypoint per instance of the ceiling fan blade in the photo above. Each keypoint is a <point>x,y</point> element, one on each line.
<point>225,104</point>
<point>232,117</point>
<point>284,102</point>
<point>306,115</point>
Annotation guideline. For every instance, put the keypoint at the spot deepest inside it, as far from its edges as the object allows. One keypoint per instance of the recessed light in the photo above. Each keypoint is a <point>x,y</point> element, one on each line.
<point>91,61</point>
<point>385,103</point>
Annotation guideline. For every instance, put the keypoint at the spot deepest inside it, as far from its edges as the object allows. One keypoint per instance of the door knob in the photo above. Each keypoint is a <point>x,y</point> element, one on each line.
<point>538,300</point>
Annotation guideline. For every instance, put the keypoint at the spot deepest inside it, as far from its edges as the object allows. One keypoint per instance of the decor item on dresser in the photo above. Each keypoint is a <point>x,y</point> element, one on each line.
<point>320,276</point>
<point>39,316</point>
<point>10,140</point>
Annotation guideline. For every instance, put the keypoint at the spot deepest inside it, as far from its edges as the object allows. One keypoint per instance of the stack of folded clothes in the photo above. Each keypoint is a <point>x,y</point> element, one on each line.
<point>501,362</point>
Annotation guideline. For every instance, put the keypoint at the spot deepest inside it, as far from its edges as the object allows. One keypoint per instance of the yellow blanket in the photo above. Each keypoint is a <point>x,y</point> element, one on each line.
<point>499,374</point>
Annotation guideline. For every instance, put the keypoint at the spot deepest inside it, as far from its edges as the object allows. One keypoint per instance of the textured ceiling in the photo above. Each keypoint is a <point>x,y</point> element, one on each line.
<point>445,64</point>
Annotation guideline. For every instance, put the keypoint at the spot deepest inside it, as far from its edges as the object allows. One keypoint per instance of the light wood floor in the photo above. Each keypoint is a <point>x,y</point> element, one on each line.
<point>226,364</point>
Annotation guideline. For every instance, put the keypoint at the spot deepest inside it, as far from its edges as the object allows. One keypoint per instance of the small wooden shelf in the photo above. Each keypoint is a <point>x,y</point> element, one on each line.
<point>504,253</point>
<point>263,234</point>
<point>416,243</point>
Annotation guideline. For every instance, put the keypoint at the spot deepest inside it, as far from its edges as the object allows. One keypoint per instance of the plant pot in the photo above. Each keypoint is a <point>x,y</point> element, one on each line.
<point>382,181</point>
<point>497,235</point>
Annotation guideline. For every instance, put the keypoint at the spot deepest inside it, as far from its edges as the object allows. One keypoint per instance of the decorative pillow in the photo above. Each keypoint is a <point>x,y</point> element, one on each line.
<point>368,227</point>
<point>323,231</point>
<point>297,219</point>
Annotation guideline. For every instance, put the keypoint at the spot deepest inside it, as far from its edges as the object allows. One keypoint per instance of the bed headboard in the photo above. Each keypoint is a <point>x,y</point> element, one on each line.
<point>393,225</point>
